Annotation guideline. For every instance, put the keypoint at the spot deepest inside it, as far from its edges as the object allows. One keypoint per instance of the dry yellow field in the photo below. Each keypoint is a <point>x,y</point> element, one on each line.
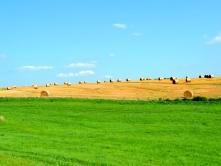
<point>151,89</point>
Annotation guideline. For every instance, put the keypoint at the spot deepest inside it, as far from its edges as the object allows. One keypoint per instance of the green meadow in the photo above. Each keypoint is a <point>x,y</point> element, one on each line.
<point>105,132</point>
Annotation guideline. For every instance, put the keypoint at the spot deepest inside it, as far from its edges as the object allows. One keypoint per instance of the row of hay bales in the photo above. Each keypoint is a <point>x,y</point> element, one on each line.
<point>207,76</point>
<point>51,84</point>
<point>110,81</point>
<point>82,82</point>
<point>67,83</point>
<point>188,80</point>
<point>144,79</point>
<point>119,80</point>
<point>175,80</point>
<point>35,86</point>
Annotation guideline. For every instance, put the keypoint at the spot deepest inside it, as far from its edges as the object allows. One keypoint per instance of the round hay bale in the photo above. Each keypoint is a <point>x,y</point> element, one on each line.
<point>188,94</point>
<point>210,76</point>
<point>35,86</point>
<point>175,81</point>
<point>9,88</point>
<point>119,80</point>
<point>2,119</point>
<point>172,78</point>
<point>44,93</point>
<point>141,78</point>
<point>188,79</point>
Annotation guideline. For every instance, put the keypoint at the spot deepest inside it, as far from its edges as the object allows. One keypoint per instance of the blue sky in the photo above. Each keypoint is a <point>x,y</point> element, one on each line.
<point>64,40</point>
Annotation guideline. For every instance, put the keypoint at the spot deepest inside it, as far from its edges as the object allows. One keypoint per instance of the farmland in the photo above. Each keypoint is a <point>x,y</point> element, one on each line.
<point>134,89</point>
<point>106,132</point>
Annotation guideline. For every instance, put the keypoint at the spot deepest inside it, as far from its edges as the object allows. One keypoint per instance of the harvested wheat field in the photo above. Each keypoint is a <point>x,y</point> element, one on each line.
<point>149,89</point>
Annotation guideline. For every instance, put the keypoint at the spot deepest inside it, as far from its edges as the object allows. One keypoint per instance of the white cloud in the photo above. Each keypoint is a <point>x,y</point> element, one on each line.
<point>120,26</point>
<point>82,65</point>
<point>215,40</point>
<point>35,68</point>
<point>83,73</point>
<point>137,34</point>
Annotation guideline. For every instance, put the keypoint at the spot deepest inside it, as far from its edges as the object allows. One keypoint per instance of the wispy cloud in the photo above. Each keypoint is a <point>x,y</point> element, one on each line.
<point>82,65</point>
<point>35,68</point>
<point>120,26</point>
<point>83,73</point>
<point>215,40</point>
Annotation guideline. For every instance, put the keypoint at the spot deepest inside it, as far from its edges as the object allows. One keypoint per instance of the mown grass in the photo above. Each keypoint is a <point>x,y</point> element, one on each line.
<point>105,132</point>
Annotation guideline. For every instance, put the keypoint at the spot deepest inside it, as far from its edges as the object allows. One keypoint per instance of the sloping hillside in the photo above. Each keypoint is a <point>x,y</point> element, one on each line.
<point>150,89</point>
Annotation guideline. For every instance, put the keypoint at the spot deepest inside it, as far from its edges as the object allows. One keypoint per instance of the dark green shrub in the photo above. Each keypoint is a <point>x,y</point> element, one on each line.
<point>200,98</point>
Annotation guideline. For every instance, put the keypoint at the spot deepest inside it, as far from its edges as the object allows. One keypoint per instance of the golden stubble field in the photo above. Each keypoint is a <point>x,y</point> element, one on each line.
<point>151,89</point>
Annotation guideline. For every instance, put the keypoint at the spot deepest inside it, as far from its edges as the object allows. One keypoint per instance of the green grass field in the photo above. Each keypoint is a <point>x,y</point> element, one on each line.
<point>100,132</point>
